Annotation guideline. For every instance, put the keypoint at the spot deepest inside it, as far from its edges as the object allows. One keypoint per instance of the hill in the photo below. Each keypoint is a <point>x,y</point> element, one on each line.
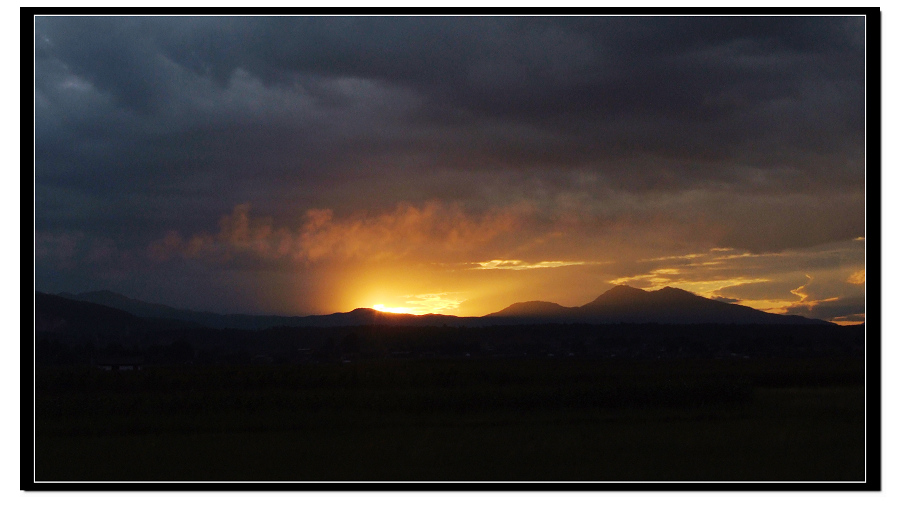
<point>56,315</point>
<point>533,309</point>
<point>625,304</point>
<point>154,310</point>
<point>356,317</point>
<point>620,304</point>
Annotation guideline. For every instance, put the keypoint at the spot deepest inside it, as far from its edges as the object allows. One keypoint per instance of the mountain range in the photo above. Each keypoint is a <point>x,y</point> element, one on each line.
<point>625,304</point>
<point>620,304</point>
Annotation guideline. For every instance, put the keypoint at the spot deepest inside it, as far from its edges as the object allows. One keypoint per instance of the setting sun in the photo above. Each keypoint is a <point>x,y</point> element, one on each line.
<point>396,310</point>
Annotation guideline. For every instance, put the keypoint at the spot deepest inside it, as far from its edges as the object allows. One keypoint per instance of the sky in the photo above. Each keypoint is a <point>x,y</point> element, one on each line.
<point>310,165</point>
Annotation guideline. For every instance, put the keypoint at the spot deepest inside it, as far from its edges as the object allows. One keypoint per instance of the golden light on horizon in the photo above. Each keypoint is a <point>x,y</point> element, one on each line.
<point>432,303</point>
<point>394,310</point>
<point>477,288</point>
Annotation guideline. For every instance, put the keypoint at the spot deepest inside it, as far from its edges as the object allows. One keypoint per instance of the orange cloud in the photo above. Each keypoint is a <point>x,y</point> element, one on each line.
<point>522,265</point>
<point>806,302</point>
<point>707,286</point>
<point>434,228</point>
<point>801,291</point>
<point>858,277</point>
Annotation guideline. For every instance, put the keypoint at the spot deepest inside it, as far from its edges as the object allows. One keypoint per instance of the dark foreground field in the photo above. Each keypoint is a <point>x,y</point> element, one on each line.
<point>445,420</point>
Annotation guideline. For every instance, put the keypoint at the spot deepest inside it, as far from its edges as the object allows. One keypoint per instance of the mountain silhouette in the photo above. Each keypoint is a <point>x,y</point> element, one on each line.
<point>122,302</point>
<point>59,315</point>
<point>155,310</point>
<point>620,304</point>
<point>625,304</point>
<point>619,296</point>
<point>356,317</point>
<point>533,309</point>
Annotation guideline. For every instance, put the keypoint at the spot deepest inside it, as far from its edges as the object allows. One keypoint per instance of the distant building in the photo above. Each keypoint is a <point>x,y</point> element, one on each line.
<point>119,363</point>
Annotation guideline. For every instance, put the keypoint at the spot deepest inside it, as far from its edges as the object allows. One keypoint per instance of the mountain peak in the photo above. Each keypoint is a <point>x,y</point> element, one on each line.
<point>621,293</point>
<point>103,292</point>
<point>532,309</point>
<point>669,290</point>
<point>622,288</point>
<point>100,296</point>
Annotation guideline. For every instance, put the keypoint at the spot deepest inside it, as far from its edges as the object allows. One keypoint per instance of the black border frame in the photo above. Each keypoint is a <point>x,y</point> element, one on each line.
<point>873,251</point>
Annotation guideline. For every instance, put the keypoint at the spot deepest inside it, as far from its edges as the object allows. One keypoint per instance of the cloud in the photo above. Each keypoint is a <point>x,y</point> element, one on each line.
<point>406,231</point>
<point>703,283</point>
<point>545,140</point>
<point>839,309</point>
<point>522,265</point>
<point>774,282</point>
<point>849,319</point>
<point>679,257</point>
<point>858,277</point>
<point>429,303</point>
<point>59,247</point>
<point>816,304</point>
<point>483,82</point>
<point>435,303</point>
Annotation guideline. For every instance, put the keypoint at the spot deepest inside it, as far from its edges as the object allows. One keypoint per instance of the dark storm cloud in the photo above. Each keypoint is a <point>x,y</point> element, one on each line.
<point>747,88</point>
<point>116,54</point>
<point>711,131</point>
<point>761,90</point>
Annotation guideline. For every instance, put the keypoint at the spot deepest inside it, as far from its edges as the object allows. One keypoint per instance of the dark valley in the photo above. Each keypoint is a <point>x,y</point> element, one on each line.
<point>633,386</point>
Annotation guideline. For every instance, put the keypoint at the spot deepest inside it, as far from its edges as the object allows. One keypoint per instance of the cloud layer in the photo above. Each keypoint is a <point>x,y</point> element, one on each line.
<point>184,147</point>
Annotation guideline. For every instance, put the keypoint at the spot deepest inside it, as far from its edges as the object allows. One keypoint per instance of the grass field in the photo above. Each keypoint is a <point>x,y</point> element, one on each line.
<point>456,420</point>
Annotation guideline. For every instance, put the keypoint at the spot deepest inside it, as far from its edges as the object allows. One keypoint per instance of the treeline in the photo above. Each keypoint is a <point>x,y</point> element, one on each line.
<point>322,345</point>
<point>84,400</point>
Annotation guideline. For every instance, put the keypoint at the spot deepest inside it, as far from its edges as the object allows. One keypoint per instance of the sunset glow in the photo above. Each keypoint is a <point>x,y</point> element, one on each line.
<point>396,310</point>
<point>431,303</point>
<point>329,165</point>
